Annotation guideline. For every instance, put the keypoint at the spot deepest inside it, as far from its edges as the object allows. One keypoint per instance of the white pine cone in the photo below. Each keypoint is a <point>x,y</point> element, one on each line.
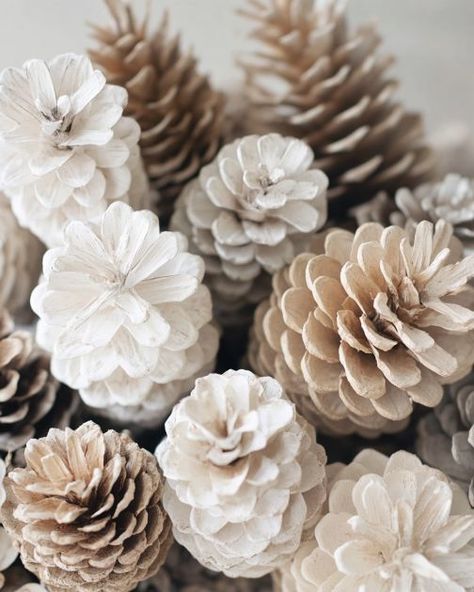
<point>20,261</point>
<point>393,525</point>
<point>124,313</point>
<point>251,210</point>
<point>451,199</point>
<point>67,151</point>
<point>8,553</point>
<point>245,476</point>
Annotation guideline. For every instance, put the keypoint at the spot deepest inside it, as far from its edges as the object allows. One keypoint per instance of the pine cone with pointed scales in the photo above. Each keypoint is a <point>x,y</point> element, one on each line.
<point>180,115</point>
<point>332,90</point>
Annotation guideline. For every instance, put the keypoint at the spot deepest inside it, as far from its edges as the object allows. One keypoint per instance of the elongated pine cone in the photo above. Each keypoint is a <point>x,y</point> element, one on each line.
<point>446,436</point>
<point>315,79</point>
<point>244,475</point>
<point>250,212</point>
<point>31,399</point>
<point>369,324</point>
<point>180,115</point>
<point>86,512</point>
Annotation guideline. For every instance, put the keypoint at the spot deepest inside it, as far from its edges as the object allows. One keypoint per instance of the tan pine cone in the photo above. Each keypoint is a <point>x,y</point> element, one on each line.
<point>31,399</point>
<point>86,512</point>
<point>181,116</point>
<point>366,325</point>
<point>316,79</point>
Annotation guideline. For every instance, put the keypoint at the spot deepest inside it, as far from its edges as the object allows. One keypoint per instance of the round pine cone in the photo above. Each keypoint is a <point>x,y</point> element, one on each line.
<point>31,399</point>
<point>244,475</point>
<point>250,212</point>
<point>333,91</point>
<point>369,324</point>
<point>86,511</point>
<point>446,436</point>
<point>180,115</point>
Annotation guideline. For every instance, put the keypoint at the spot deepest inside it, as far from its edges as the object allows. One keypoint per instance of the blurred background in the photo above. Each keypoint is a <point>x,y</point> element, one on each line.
<point>433,41</point>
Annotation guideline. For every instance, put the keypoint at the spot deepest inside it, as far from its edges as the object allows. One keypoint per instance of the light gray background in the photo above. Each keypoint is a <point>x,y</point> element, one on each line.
<point>433,39</point>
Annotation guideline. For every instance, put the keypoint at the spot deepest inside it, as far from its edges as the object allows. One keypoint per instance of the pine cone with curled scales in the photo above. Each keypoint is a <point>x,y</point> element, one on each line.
<point>181,116</point>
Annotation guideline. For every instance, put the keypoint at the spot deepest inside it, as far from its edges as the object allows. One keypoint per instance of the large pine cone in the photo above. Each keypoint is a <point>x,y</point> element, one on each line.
<point>333,91</point>
<point>86,511</point>
<point>181,116</point>
<point>31,399</point>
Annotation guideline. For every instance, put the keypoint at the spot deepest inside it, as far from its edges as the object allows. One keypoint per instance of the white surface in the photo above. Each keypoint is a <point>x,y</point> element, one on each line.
<point>434,41</point>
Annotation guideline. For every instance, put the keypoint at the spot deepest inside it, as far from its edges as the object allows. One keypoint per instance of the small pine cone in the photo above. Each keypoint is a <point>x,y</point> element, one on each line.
<point>333,91</point>
<point>369,324</point>
<point>250,212</point>
<point>31,399</point>
<point>20,262</point>
<point>180,115</point>
<point>245,479</point>
<point>392,524</point>
<point>451,199</point>
<point>446,436</point>
<point>86,511</point>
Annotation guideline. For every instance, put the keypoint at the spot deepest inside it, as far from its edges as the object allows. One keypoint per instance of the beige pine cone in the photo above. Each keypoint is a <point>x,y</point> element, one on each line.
<point>333,90</point>
<point>180,115</point>
<point>86,511</point>
<point>369,324</point>
<point>31,399</point>
<point>250,212</point>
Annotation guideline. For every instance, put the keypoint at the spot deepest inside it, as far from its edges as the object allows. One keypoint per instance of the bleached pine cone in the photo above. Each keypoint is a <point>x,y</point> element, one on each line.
<point>67,152</point>
<point>124,313</point>
<point>251,210</point>
<point>180,114</point>
<point>451,199</point>
<point>20,261</point>
<point>446,436</point>
<point>86,511</point>
<point>369,324</point>
<point>31,399</point>
<point>315,78</point>
<point>8,553</point>
<point>393,525</point>
<point>244,475</point>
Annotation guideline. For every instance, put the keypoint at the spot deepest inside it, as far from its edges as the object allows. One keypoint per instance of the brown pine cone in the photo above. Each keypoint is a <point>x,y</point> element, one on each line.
<point>31,399</point>
<point>86,512</point>
<point>181,116</point>
<point>315,79</point>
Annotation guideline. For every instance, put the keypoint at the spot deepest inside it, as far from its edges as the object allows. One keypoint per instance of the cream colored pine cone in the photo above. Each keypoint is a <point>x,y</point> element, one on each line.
<point>251,210</point>
<point>86,511</point>
<point>180,115</point>
<point>31,399</point>
<point>315,78</point>
<point>392,525</point>
<point>367,325</point>
<point>67,150</point>
<point>244,475</point>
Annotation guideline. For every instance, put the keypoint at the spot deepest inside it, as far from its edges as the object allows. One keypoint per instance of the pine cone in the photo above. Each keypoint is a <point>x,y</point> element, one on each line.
<point>368,325</point>
<point>86,511</point>
<point>451,199</point>
<point>180,115</point>
<point>66,149</point>
<point>333,91</point>
<point>251,210</point>
<point>31,399</point>
<point>20,261</point>
<point>245,477</point>
<point>393,524</point>
<point>446,436</point>
<point>182,573</point>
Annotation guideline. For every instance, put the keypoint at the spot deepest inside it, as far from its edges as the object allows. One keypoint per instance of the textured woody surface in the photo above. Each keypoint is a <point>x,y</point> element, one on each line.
<point>316,79</point>
<point>369,324</point>
<point>180,115</point>
<point>86,511</point>
<point>393,524</point>
<point>244,475</point>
